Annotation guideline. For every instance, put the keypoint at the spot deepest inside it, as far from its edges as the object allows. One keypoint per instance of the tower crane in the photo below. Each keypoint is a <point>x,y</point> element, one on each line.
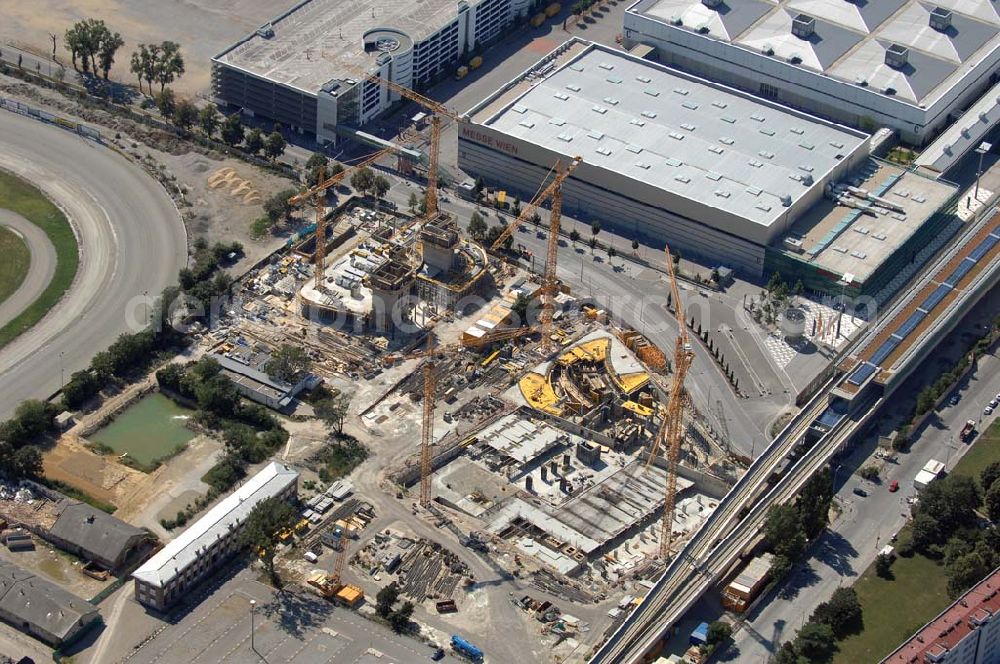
<point>673,433</point>
<point>338,568</point>
<point>437,110</point>
<point>537,201</point>
<point>550,281</point>
<point>316,193</point>
<point>428,373</point>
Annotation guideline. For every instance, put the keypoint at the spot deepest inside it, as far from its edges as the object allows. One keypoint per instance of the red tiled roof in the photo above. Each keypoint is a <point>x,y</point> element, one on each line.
<point>953,624</point>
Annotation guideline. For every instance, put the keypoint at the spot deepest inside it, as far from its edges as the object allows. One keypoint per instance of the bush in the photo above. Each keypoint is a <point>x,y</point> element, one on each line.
<point>869,473</point>
<point>883,566</point>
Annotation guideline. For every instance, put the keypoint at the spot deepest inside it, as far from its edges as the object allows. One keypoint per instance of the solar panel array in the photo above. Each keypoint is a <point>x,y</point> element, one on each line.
<point>906,328</point>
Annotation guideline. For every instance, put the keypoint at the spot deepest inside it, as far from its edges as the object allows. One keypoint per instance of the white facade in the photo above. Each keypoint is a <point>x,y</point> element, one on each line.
<point>303,68</point>
<point>842,66</point>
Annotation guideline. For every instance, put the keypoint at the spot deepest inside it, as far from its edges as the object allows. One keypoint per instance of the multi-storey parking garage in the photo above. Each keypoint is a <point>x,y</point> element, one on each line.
<point>302,69</point>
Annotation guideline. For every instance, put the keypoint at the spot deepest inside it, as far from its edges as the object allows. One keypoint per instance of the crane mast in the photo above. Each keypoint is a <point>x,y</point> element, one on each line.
<point>315,195</point>
<point>675,413</point>
<point>437,110</point>
<point>537,202</point>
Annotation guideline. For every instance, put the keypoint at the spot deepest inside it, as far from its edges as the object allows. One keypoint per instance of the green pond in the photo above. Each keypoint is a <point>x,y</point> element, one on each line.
<point>148,430</point>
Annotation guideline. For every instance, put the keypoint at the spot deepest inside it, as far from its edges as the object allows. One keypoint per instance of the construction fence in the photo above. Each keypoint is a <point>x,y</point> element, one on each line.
<point>21,108</point>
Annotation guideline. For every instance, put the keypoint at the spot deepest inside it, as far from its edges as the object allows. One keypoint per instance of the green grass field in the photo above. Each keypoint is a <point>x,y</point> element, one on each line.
<point>16,259</point>
<point>24,199</point>
<point>893,610</point>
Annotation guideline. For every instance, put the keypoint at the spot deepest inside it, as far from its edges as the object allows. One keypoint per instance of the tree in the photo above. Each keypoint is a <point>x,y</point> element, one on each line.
<point>277,207</point>
<point>815,641</point>
<point>254,141</point>
<point>574,236</point>
<point>317,161</point>
<point>718,632</point>
<point>260,227</point>
<point>185,114</point>
<point>274,145</point>
<point>593,245</point>
<point>595,228</point>
<point>27,462</point>
<point>951,502</point>
<point>925,531</point>
<point>82,386</point>
<point>965,572</point>
<point>520,309</point>
<point>333,411</point>
<point>208,119</point>
<point>869,473</point>
<point>169,63</point>
<point>363,180</point>
<point>414,202</point>
<point>380,186</point>
<point>783,531</point>
<point>399,619</point>
<point>799,288</point>
<point>992,501</point>
<point>35,418</point>
<point>110,43</point>
<point>84,40</point>
<point>385,599</point>
<point>989,475</point>
<point>232,130</point>
<point>883,566</point>
<point>786,655</point>
<point>612,252</point>
<point>287,362</point>
<point>925,400</point>
<point>166,103</point>
<point>635,247</point>
<point>143,64</point>
<point>814,502</point>
<point>842,613</point>
<point>260,532</point>
<point>477,226</point>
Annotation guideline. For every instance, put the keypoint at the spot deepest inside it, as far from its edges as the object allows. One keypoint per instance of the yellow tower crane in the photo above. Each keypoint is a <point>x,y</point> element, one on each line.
<point>316,193</point>
<point>674,430</point>
<point>544,195</point>
<point>549,280</point>
<point>437,110</point>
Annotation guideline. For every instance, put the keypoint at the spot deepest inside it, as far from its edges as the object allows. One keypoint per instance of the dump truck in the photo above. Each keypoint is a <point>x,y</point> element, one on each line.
<point>461,73</point>
<point>968,431</point>
<point>476,62</point>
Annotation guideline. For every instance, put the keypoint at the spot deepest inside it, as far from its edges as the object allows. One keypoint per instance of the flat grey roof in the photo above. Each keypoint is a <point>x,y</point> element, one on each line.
<point>231,511</point>
<point>679,133</point>
<point>313,39</point>
<point>851,38</point>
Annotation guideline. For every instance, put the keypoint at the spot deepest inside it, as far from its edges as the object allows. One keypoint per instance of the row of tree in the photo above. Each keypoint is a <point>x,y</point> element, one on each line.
<point>789,527</point>
<point>157,63</point>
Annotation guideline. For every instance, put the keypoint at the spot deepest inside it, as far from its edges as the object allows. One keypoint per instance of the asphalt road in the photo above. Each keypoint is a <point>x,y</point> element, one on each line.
<point>866,523</point>
<point>40,270</point>
<point>131,241</point>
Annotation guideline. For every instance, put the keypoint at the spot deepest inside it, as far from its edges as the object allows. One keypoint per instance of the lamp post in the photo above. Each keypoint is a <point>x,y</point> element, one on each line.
<point>982,149</point>
<point>62,372</point>
<point>253,606</point>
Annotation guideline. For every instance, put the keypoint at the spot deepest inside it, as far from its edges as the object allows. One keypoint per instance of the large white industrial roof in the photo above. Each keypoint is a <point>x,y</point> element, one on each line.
<point>850,39</point>
<point>690,137</point>
<point>313,40</point>
<point>231,511</point>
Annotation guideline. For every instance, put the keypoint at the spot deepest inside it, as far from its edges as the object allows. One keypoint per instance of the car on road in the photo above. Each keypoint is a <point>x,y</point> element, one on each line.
<point>858,491</point>
<point>988,410</point>
<point>994,403</point>
<point>437,655</point>
<point>953,400</point>
<point>894,486</point>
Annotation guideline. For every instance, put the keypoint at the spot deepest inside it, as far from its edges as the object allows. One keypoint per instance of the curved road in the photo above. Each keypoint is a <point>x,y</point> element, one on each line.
<point>40,270</point>
<point>131,240</point>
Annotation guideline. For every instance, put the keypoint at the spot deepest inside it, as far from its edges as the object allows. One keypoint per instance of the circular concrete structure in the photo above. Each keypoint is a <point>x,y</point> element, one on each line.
<point>792,323</point>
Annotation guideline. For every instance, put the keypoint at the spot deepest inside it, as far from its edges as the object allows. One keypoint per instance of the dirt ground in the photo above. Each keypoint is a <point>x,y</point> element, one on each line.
<point>59,567</point>
<point>70,461</point>
<point>203,28</point>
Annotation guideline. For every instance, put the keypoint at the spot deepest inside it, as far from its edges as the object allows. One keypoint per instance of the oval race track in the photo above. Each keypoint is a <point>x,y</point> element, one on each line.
<point>131,239</point>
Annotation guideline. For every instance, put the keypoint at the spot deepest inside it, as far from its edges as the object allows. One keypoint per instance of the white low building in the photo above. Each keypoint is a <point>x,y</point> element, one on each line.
<point>211,540</point>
